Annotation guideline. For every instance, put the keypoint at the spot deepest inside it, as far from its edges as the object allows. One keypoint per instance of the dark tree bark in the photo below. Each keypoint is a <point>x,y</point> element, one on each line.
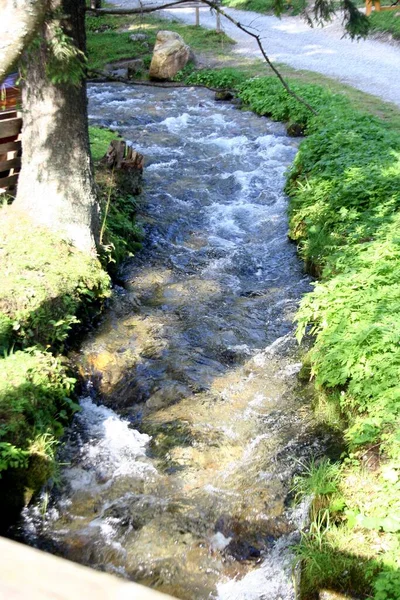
<point>56,186</point>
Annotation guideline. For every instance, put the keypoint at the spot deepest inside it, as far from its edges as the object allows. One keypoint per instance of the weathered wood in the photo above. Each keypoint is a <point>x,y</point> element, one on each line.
<point>8,114</point>
<point>10,147</point>
<point>10,127</point>
<point>14,163</point>
<point>8,182</point>
<point>115,154</point>
<point>29,573</point>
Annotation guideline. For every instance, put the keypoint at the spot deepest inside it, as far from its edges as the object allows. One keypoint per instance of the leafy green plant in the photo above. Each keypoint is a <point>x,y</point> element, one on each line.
<point>12,457</point>
<point>387,586</point>
<point>225,78</point>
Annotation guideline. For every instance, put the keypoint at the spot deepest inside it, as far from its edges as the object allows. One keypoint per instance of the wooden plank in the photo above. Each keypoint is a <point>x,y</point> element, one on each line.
<point>29,573</point>
<point>8,114</point>
<point>6,182</point>
<point>10,147</point>
<point>14,163</point>
<point>10,127</point>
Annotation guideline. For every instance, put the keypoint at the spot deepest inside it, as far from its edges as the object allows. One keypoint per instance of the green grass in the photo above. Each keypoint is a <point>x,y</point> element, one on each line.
<point>100,139</point>
<point>386,22</point>
<point>106,42</point>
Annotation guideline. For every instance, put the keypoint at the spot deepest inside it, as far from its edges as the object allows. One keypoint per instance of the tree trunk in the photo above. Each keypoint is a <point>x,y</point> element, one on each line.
<point>56,186</point>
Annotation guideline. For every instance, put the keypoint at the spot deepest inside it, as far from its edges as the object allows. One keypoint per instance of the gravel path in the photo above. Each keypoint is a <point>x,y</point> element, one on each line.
<point>369,65</point>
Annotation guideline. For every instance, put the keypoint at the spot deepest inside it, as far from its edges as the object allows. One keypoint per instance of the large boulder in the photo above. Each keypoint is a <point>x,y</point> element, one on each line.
<point>170,55</point>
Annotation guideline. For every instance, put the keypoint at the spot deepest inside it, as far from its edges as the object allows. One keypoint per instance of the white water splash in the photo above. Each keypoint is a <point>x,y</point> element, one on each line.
<point>175,124</point>
<point>113,450</point>
<point>272,580</point>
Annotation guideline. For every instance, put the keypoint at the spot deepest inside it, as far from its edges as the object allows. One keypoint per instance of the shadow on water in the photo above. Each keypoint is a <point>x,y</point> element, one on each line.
<point>186,488</point>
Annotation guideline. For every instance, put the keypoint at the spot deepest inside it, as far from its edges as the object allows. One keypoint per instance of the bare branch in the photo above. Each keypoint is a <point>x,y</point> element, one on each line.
<point>266,58</point>
<point>216,7</point>
<point>135,11</point>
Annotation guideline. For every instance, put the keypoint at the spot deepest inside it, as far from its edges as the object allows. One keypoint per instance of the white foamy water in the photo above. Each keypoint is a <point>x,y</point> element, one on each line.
<point>176,124</point>
<point>272,580</point>
<point>113,449</point>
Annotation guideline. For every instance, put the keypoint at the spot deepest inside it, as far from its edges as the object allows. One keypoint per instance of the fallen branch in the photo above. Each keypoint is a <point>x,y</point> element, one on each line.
<point>104,76</point>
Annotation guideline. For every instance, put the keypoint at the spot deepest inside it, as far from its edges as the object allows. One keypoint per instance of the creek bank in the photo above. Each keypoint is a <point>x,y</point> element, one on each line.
<point>343,177</point>
<point>49,293</point>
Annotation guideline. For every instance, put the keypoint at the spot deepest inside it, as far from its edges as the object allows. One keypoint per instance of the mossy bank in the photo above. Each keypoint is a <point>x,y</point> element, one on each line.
<point>49,293</point>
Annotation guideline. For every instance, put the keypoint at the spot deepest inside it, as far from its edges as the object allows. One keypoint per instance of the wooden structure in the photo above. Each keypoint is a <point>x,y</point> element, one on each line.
<point>28,573</point>
<point>197,6</point>
<point>10,130</point>
<point>378,7</point>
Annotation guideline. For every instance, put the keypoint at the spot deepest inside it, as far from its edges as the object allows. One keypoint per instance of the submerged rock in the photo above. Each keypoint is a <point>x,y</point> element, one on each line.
<point>170,55</point>
<point>224,96</point>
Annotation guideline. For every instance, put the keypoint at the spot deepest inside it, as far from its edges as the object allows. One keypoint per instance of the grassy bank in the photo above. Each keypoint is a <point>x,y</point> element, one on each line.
<point>344,190</point>
<point>109,39</point>
<point>345,197</point>
<point>46,289</point>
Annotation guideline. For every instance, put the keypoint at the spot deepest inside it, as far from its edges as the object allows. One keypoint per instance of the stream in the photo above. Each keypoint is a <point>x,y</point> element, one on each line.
<point>178,468</point>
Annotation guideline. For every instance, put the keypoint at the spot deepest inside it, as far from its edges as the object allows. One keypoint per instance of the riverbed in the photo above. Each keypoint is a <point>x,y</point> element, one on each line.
<point>177,470</point>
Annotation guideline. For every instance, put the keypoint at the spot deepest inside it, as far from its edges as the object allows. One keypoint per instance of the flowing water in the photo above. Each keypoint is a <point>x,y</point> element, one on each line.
<point>179,464</point>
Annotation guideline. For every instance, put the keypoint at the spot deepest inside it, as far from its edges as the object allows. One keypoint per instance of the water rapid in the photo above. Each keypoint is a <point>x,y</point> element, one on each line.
<point>177,469</point>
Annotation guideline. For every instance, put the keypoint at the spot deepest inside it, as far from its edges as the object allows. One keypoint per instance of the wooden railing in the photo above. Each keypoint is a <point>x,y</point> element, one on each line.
<point>10,130</point>
<point>10,150</point>
<point>28,573</point>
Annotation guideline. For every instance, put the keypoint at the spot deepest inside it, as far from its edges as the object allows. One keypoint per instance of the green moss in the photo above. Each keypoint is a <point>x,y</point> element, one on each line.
<point>46,285</point>
<point>100,139</point>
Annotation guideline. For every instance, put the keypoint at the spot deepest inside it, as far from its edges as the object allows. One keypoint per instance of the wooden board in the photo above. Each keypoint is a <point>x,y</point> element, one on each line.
<point>10,127</point>
<point>13,163</point>
<point>10,147</point>
<point>10,181</point>
<point>28,573</point>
